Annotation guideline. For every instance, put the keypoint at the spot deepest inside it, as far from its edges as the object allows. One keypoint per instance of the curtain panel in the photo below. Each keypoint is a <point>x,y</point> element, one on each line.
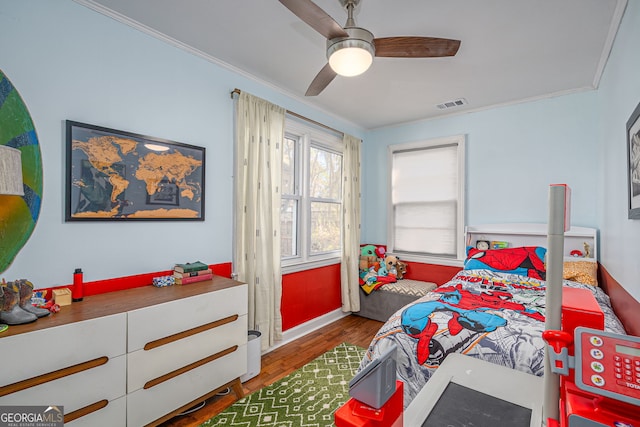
<point>259,136</point>
<point>350,288</point>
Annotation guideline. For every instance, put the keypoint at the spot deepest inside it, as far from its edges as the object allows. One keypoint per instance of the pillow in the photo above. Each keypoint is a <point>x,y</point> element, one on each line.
<point>525,261</point>
<point>581,271</point>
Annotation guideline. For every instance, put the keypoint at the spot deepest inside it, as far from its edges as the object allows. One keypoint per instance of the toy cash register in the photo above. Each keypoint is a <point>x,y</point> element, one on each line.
<point>605,391</point>
<point>608,364</point>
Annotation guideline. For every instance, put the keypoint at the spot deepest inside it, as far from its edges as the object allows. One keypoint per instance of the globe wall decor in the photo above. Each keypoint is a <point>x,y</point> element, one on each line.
<point>18,214</point>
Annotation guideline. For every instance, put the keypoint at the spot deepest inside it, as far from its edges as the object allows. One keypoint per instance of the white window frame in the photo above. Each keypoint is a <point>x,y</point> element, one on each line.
<point>307,136</point>
<point>459,141</point>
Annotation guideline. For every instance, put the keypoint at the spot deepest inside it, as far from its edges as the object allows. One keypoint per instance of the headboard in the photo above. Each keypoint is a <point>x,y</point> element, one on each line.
<point>525,234</point>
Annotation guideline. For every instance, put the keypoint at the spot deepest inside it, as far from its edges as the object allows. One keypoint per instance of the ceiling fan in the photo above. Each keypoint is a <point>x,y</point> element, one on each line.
<point>350,50</point>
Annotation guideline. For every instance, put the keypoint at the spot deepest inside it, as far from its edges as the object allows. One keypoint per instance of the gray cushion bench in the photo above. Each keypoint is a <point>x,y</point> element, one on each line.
<point>383,302</point>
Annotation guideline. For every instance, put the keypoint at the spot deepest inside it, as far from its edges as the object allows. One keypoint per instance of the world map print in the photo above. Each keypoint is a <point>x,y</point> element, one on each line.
<point>118,175</point>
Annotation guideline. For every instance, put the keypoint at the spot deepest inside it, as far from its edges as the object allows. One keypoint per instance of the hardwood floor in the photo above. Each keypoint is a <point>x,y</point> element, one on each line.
<point>286,359</point>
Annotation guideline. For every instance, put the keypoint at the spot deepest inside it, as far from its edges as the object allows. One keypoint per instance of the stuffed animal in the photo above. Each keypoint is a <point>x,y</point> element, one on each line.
<point>401,269</point>
<point>367,262</point>
<point>382,271</point>
<point>367,256</point>
<point>390,261</point>
<point>368,250</point>
<point>390,264</point>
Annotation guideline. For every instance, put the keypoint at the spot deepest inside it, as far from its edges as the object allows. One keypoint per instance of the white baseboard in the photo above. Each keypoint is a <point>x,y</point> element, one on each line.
<point>307,327</point>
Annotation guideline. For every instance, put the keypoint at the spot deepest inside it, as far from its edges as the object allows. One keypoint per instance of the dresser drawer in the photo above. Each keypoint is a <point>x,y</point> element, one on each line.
<point>112,415</point>
<point>46,350</point>
<point>104,382</point>
<point>146,365</point>
<point>162,320</point>
<point>147,405</point>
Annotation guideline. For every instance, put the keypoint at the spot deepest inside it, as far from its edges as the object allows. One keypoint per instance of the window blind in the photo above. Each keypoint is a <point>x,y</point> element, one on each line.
<point>424,197</point>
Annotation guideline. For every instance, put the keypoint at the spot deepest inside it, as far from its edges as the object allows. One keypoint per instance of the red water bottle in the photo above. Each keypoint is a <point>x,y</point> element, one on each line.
<point>78,285</point>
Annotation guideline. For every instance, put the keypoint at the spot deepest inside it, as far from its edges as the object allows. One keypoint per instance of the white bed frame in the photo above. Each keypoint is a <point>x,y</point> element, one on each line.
<point>526,234</point>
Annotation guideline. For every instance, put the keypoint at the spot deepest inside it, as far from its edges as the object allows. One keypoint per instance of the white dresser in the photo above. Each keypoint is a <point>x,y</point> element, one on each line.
<point>134,357</point>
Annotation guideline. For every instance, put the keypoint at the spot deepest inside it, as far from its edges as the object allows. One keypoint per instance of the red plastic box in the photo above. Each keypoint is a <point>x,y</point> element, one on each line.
<point>357,414</point>
<point>580,308</point>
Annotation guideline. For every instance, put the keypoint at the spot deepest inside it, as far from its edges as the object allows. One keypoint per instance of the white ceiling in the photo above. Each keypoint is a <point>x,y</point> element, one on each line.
<point>511,50</point>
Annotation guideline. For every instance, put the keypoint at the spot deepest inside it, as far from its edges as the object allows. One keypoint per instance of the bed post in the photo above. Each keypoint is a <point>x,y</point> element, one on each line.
<point>559,202</point>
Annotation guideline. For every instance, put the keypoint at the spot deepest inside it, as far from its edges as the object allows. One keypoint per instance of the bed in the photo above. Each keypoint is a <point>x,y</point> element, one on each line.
<point>489,310</point>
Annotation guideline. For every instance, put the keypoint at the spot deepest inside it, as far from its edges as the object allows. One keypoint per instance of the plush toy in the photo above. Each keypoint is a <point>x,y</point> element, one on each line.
<point>366,262</point>
<point>389,264</point>
<point>367,256</point>
<point>382,271</point>
<point>401,269</point>
<point>368,250</point>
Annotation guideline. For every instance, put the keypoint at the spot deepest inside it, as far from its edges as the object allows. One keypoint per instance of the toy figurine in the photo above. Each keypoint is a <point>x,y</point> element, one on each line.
<point>587,250</point>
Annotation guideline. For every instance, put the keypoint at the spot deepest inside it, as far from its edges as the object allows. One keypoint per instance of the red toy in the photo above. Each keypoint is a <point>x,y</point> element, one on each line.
<point>357,414</point>
<point>604,387</point>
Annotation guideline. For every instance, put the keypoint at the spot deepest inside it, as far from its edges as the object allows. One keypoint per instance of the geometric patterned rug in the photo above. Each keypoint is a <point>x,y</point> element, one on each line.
<point>307,397</point>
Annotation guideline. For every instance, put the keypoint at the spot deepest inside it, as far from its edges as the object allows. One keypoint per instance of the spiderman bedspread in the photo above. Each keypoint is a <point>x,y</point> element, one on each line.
<point>490,315</point>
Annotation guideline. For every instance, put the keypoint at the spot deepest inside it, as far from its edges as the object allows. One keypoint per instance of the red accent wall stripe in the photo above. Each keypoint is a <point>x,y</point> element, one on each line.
<point>309,294</point>
<point>306,295</point>
<point>128,282</point>
<point>438,274</point>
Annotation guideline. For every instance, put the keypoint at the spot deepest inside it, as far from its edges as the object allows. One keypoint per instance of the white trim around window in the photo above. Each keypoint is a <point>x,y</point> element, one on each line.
<point>307,137</point>
<point>426,195</point>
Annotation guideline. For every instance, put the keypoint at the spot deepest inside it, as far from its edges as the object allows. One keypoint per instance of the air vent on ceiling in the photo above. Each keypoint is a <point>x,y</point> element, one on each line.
<point>452,104</point>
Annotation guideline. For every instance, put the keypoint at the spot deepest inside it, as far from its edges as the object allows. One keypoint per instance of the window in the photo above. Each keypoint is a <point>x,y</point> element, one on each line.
<point>426,207</point>
<point>311,207</point>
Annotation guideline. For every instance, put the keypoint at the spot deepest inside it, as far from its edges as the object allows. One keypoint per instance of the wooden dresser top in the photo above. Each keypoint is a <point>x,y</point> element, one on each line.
<point>120,302</point>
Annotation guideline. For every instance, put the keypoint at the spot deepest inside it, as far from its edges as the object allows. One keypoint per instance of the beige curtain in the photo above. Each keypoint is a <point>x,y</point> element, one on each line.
<point>259,136</point>
<point>350,225</point>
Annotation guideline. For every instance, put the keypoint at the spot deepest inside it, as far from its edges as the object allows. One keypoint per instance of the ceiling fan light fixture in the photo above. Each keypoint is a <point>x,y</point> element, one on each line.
<point>353,55</point>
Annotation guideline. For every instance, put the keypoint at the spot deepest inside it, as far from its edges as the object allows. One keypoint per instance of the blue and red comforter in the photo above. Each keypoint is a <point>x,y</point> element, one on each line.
<point>490,315</point>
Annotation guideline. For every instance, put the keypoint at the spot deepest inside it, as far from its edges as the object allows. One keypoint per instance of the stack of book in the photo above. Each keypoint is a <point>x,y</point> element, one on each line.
<point>191,272</point>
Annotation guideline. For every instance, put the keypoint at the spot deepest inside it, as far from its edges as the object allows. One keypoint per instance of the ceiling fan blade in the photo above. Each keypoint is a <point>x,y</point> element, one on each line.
<point>322,80</point>
<point>315,17</point>
<point>415,47</point>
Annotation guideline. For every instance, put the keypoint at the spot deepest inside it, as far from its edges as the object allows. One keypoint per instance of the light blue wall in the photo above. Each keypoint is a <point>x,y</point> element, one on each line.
<point>69,62</point>
<point>618,96</point>
<point>512,155</point>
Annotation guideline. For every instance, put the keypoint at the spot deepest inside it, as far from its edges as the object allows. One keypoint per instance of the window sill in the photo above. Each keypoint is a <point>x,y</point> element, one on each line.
<point>430,259</point>
<point>308,265</point>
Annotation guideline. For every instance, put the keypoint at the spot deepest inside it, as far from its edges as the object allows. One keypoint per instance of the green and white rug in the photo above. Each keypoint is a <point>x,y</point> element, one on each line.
<point>306,397</point>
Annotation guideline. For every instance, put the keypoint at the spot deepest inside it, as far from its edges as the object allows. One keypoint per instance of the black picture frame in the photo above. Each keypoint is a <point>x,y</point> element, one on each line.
<point>113,175</point>
<point>633,163</point>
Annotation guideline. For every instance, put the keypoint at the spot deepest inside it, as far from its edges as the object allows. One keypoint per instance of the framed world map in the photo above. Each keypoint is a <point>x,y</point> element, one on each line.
<point>117,175</point>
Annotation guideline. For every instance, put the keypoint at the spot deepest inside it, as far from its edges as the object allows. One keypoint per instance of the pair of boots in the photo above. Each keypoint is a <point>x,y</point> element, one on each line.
<point>15,303</point>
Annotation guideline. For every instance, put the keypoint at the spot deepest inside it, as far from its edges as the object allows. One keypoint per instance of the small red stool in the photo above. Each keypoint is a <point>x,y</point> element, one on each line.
<point>357,414</point>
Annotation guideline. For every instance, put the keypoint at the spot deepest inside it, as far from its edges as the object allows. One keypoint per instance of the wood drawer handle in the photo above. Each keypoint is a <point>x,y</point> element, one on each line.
<point>85,411</point>
<point>52,376</point>
<point>184,334</point>
<point>173,374</point>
